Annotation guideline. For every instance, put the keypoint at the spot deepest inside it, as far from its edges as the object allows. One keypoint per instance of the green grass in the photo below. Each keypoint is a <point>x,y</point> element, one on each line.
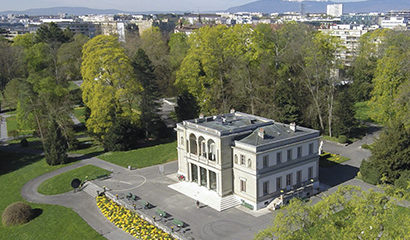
<point>79,113</point>
<point>55,222</point>
<point>72,86</point>
<point>62,183</point>
<point>363,111</point>
<point>331,159</point>
<point>143,157</point>
<point>13,128</point>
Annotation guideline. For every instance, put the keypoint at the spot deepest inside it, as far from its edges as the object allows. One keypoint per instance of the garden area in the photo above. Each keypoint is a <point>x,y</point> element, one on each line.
<point>15,171</point>
<point>129,221</point>
<point>62,183</point>
<point>331,159</point>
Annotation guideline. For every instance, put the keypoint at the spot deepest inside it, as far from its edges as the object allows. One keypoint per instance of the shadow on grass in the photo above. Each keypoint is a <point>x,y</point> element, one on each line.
<point>336,173</point>
<point>11,161</point>
<point>72,159</point>
<point>365,129</point>
<point>36,212</point>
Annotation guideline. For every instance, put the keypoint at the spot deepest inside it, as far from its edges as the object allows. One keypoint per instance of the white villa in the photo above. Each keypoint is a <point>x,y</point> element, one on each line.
<point>237,158</point>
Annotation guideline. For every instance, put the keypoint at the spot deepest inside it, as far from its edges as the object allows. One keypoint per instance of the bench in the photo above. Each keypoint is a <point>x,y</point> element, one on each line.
<point>146,204</point>
<point>161,213</point>
<point>178,223</point>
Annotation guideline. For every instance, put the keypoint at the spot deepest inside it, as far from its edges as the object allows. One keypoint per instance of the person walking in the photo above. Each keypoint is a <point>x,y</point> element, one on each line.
<point>197,203</point>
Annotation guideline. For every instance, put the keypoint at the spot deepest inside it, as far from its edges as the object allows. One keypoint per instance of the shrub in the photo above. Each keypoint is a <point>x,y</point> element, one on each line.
<point>17,213</point>
<point>403,181</point>
<point>369,172</point>
<point>342,139</point>
<point>24,142</point>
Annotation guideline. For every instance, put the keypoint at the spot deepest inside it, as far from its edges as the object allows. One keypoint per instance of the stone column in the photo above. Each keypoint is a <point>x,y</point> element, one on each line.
<point>199,174</point>
<point>208,182</point>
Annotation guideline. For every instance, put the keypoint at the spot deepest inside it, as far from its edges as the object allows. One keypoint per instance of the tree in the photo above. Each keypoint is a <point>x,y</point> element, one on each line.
<point>50,33</point>
<point>149,105</point>
<point>152,42</point>
<point>187,107</point>
<point>55,146</point>
<point>364,64</point>
<point>390,155</point>
<point>344,112</point>
<point>392,73</point>
<point>349,213</point>
<point>122,135</point>
<point>110,89</point>
<point>69,58</point>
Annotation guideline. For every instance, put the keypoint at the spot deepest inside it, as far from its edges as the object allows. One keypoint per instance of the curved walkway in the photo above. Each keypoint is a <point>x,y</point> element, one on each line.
<point>82,203</point>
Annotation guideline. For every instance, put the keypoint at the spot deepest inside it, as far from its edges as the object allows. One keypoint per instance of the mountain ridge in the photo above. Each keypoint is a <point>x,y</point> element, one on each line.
<point>280,6</point>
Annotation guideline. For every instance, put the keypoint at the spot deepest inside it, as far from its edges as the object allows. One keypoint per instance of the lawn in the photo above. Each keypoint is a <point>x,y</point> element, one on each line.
<point>62,183</point>
<point>363,111</point>
<point>79,114</point>
<point>331,159</point>
<point>13,128</point>
<point>143,157</point>
<point>55,222</point>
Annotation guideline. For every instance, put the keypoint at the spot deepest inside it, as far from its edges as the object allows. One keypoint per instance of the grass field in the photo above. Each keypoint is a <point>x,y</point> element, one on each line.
<point>331,159</point>
<point>363,111</point>
<point>62,183</point>
<point>55,222</point>
<point>143,157</point>
<point>13,128</point>
<point>79,114</point>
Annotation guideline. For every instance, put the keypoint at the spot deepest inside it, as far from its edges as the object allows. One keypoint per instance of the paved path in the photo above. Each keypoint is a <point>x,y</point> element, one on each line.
<point>75,119</point>
<point>3,127</point>
<point>82,203</point>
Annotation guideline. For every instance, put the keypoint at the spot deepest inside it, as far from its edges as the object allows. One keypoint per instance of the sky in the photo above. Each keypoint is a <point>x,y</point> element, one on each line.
<point>128,5</point>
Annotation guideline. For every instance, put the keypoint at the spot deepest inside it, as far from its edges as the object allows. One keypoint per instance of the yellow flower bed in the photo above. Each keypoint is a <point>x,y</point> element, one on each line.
<point>129,221</point>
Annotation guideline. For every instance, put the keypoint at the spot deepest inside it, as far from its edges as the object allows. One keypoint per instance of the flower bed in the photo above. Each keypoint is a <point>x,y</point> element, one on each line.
<point>129,221</point>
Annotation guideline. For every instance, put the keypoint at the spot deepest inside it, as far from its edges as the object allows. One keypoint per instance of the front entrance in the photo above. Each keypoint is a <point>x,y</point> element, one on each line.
<point>203,177</point>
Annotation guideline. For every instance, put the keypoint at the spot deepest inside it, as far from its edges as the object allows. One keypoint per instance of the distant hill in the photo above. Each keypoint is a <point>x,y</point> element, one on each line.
<point>73,11</point>
<point>280,6</point>
<point>68,10</point>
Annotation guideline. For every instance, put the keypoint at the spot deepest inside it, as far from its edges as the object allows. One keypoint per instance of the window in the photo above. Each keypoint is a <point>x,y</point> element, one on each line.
<point>311,148</point>
<point>289,154</point>
<point>299,152</point>
<point>278,157</point>
<point>289,179</point>
<point>242,159</point>
<point>243,186</point>
<point>310,173</point>
<point>278,184</point>
<point>211,150</point>
<point>182,140</point>
<point>266,161</point>
<point>249,163</point>
<point>265,188</point>
<point>236,159</point>
<point>298,177</point>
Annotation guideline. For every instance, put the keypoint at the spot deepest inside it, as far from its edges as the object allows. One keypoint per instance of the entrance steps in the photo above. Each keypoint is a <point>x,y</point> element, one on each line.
<point>205,196</point>
<point>92,188</point>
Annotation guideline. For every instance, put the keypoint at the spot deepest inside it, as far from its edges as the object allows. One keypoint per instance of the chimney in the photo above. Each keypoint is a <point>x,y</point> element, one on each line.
<point>201,116</point>
<point>293,127</point>
<point>261,133</point>
<point>232,110</point>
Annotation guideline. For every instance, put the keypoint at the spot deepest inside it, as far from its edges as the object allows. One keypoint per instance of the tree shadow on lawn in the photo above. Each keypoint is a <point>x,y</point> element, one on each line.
<point>337,174</point>
<point>11,161</point>
<point>36,212</point>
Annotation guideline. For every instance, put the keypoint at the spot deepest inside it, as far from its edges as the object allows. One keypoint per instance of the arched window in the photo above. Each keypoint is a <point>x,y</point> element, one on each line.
<point>202,146</point>
<point>192,144</point>
<point>211,150</point>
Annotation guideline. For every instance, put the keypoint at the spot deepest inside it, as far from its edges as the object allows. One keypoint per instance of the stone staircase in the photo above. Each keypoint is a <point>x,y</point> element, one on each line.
<point>229,202</point>
<point>91,189</point>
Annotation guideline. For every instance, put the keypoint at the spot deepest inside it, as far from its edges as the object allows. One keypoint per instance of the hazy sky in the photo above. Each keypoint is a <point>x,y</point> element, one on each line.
<point>129,5</point>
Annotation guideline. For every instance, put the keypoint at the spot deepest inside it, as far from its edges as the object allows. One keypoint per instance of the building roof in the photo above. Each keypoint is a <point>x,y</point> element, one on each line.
<point>273,133</point>
<point>229,123</point>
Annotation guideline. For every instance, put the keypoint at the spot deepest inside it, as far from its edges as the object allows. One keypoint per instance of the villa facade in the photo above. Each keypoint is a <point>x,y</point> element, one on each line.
<point>253,159</point>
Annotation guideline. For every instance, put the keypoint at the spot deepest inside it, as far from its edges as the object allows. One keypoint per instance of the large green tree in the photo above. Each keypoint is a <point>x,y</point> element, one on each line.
<point>349,213</point>
<point>110,88</point>
<point>392,74</point>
